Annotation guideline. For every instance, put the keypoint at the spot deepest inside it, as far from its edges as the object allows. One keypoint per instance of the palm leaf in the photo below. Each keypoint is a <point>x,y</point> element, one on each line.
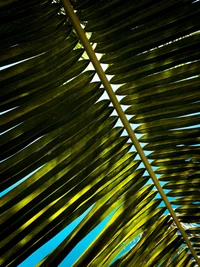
<point>64,152</point>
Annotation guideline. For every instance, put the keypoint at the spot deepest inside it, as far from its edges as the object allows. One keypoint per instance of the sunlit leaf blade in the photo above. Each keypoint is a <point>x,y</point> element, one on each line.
<point>153,56</point>
<point>35,64</point>
<point>47,144</point>
<point>145,243</point>
<point>49,100</point>
<point>139,72</point>
<point>158,114</point>
<point>63,196</point>
<point>177,151</point>
<point>186,200</point>
<point>193,230</point>
<point>161,79</point>
<point>180,260</point>
<point>115,193</point>
<point>44,83</point>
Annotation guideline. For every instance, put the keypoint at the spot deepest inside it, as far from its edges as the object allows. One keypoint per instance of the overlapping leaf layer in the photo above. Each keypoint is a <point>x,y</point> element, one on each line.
<point>61,147</point>
<point>153,50</point>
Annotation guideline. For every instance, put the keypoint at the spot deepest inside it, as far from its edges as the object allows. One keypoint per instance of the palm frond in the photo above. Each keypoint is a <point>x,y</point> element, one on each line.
<point>62,151</point>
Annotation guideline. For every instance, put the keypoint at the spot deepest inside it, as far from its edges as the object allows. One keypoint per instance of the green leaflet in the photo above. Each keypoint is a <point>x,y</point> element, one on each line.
<point>148,43</point>
<point>194,208</point>
<point>174,134</point>
<point>177,260</point>
<point>165,244</point>
<point>99,9</point>
<point>144,11</point>
<point>160,125</point>
<point>45,122</point>
<point>185,200</point>
<point>41,28</point>
<point>22,25</point>
<point>193,230</point>
<point>48,183</point>
<point>134,230</point>
<point>182,184</point>
<point>33,48</point>
<point>162,78</point>
<point>36,64</point>
<point>120,13</point>
<point>112,198</point>
<point>179,192</point>
<point>174,162</point>
<point>156,230</point>
<point>49,100</point>
<point>156,55</point>
<point>78,4</point>
<point>50,145</point>
<point>41,80</point>
<point>195,239</point>
<point>176,151</point>
<point>152,68</point>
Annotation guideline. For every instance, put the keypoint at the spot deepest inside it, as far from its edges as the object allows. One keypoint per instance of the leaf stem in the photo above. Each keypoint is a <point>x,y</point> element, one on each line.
<point>81,33</point>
